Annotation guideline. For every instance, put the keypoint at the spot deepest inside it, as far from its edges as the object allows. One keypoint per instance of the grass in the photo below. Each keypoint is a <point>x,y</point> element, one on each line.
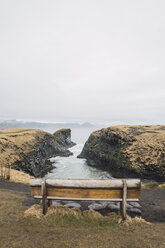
<point>17,176</point>
<point>14,130</point>
<point>153,185</point>
<point>70,228</point>
<point>75,217</point>
<point>140,148</point>
<point>15,144</point>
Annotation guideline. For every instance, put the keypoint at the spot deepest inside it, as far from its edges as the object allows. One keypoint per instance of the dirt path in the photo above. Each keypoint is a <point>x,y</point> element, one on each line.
<point>22,189</point>
<point>153,205</point>
<point>152,201</point>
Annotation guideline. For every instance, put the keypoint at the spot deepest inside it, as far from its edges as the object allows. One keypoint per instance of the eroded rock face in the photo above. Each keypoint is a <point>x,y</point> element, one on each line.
<point>63,137</point>
<point>27,150</point>
<point>128,151</point>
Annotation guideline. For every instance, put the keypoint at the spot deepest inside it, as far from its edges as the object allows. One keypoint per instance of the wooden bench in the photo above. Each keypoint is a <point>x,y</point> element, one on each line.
<point>115,190</point>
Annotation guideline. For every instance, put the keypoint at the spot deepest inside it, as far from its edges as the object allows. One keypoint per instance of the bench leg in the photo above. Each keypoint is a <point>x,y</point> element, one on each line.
<point>44,198</point>
<point>49,203</point>
<point>124,200</point>
<point>121,208</point>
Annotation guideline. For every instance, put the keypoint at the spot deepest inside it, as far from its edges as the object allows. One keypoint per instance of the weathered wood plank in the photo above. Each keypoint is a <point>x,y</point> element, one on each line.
<point>87,183</point>
<point>35,181</point>
<point>121,206</point>
<point>86,193</point>
<point>87,199</point>
<point>44,197</point>
<point>124,201</point>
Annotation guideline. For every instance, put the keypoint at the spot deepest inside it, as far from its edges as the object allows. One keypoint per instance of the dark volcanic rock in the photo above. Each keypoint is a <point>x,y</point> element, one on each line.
<point>128,151</point>
<point>27,150</point>
<point>63,137</point>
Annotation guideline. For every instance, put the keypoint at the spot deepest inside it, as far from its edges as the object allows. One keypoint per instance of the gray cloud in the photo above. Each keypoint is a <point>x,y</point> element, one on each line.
<point>100,61</point>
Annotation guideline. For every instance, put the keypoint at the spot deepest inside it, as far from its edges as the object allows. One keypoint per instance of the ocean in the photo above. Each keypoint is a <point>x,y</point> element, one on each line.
<point>73,167</point>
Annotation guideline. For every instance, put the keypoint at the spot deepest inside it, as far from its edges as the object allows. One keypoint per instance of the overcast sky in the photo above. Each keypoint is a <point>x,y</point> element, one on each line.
<point>83,60</point>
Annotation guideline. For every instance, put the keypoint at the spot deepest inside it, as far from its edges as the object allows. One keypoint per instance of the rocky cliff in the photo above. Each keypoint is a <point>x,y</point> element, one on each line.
<point>128,151</point>
<point>63,137</point>
<point>28,149</point>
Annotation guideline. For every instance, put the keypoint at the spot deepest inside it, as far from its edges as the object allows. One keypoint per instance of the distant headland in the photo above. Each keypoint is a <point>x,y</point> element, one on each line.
<point>6,124</point>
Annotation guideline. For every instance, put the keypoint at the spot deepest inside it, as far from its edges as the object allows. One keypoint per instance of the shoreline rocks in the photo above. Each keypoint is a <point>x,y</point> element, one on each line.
<point>100,206</point>
<point>28,149</point>
<point>128,151</point>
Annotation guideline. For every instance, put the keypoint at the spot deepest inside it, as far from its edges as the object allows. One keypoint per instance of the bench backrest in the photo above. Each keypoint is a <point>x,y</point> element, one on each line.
<point>86,189</point>
<point>122,190</point>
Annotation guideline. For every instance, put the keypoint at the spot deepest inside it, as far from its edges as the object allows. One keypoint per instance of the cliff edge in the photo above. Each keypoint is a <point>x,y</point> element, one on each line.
<point>128,151</point>
<point>28,149</point>
<point>63,137</point>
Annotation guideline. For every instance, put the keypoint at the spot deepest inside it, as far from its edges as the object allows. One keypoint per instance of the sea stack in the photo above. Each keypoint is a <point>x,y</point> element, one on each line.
<point>63,137</point>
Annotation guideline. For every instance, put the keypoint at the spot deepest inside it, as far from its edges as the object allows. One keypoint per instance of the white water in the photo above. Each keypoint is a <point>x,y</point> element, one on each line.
<point>73,167</point>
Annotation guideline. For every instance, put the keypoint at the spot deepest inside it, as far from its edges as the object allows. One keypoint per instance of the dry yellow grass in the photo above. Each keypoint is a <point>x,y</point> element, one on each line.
<point>91,214</point>
<point>161,186</point>
<point>15,145</point>
<point>66,231</point>
<point>17,142</point>
<point>149,145</point>
<point>15,175</point>
<point>36,211</point>
<point>124,148</point>
<point>19,177</point>
<point>153,185</point>
<point>131,221</point>
<point>8,151</point>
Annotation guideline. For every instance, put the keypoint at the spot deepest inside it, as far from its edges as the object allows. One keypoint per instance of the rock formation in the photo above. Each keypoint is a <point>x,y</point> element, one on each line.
<point>128,151</point>
<point>63,137</point>
<point>28,149</point>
